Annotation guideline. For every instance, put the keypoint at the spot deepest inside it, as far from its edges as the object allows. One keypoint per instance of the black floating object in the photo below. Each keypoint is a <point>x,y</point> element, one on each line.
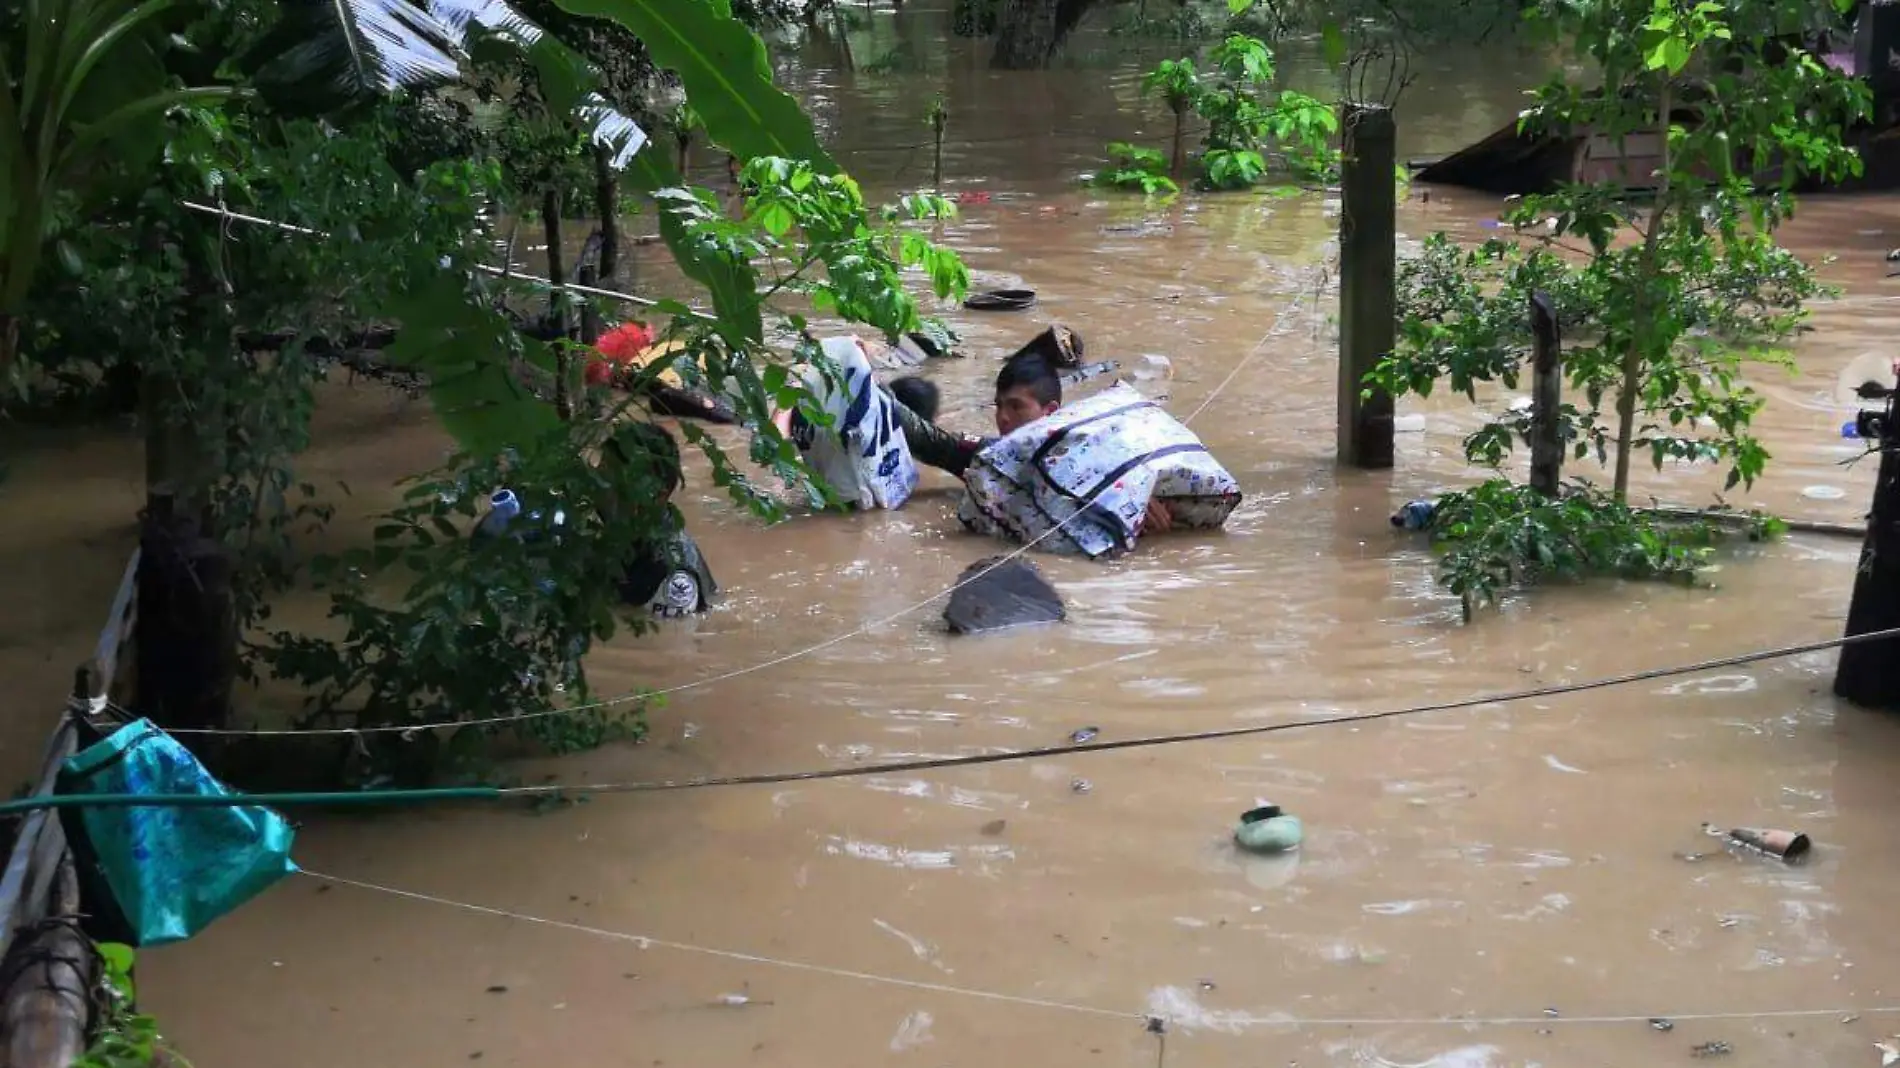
<point>690,404</point>
<point>993,595</point>
<point>929,346</point>
<point>1001,300</point>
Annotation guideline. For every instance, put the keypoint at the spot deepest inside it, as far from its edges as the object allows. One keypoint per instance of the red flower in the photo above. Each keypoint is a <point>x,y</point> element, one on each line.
<point>617,349</point>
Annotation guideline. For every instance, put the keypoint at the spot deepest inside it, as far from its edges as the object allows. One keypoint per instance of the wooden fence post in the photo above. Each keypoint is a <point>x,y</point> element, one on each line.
<point>939,118</point>
<point>590,315</point>
<point>1547,383</point>
<point>1368,286</point>
<point>1868,674</point>
<point>49,1004</point>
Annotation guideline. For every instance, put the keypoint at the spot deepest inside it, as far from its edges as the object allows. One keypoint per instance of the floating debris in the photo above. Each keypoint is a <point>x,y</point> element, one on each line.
<point>1266,829</point>
<point>736,1001</point>
<point>1661,1024</point>
<point>1207,984</point>
<point>1080,786</point>
<point>1552,1013</point>
<point>999,593</point>
<point>993,828</point>
<point>1788,846</point>
<point>1712,1049</point>
<point>1889,1056</point>
<point>1084,735</point>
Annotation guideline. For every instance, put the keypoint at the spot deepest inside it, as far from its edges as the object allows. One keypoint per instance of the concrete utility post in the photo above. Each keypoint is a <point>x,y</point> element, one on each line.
<point>1547,385</point>
<point>1368,283</point>
<point>1869,673</point>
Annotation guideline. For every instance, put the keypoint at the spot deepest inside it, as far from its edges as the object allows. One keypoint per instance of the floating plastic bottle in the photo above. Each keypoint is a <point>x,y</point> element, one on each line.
<point>1850,429</point>
<point>1416,515</point>
<point>503,507</point>
<point>1151,367</point>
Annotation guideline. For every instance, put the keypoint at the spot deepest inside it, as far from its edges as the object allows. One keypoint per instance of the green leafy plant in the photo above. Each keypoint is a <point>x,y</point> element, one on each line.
<point>122,1036</point>
<point>1252,131</point>
<point>1136,169</point>
<point>489,628</point>
<point>89,89</point>
<point>1499,534</point>
<point>223,330</point>
<point>1665,304</point>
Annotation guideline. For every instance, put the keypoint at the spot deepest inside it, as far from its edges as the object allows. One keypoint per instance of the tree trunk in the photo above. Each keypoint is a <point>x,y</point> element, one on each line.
<point>1178,164</point>
<point>557,303</point>
<point>557,269</point>
<point>607,208</point>
<point>188,636</point>
<point>1643,315</point>
<point>1028,32</point>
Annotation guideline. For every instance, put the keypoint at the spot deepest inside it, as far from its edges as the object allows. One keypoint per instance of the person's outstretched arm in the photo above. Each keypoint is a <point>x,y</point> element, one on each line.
<point>932,444</point>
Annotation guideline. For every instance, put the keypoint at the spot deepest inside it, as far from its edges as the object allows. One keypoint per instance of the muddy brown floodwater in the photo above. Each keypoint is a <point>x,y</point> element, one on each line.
<point>1515,865</point>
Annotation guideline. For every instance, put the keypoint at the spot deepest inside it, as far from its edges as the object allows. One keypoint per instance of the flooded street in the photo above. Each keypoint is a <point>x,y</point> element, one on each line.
<point>1517,866</point>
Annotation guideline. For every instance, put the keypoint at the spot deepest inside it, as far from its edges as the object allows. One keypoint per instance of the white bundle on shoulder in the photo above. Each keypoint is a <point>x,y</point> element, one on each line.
<point>1090,469</point>
<point>863,454</point>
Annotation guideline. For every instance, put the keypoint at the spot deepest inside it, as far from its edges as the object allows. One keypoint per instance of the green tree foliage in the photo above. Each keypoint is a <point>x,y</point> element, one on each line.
<point>1253,131</point>
<point>386,207</point>
<point>1666,302</point>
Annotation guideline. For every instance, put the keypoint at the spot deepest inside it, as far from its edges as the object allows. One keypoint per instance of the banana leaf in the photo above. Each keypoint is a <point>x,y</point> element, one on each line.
<point>728,81</point>
<point>733,284</point>
<point>726,73</point>
<point>80,81</point>
<point>324,56</point>
<point>467,351</point>
<point>568,82</point>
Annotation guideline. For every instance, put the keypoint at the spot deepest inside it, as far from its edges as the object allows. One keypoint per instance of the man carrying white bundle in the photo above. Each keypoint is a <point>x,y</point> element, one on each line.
<point>1091,477</point>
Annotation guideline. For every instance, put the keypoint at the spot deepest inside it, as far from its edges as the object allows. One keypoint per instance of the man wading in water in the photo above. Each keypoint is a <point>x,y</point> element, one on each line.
<point>1029,389</point>
<point>1057,347</point>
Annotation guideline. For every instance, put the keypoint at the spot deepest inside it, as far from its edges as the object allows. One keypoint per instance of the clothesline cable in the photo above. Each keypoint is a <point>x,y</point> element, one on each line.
<point>1281,320</point>
<point>1221,1020</point>
<point>25,805</point>
<point>487,269</point>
